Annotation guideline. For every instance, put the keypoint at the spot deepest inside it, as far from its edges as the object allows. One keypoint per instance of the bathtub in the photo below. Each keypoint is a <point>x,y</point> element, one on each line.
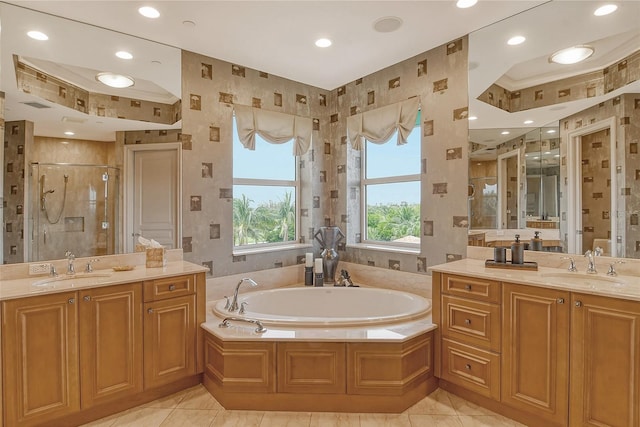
<point>329,306</point>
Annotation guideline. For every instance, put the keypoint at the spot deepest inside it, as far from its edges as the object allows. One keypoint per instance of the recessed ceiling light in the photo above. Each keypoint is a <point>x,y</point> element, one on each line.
<point>551,131</point>
<point>149,12</point>
<point>605,10</point>
<point>547,152</point>
<point>516,40</point>
<point>323,42</point>
<point>472,118</point>
<point>69,133</point>
<point>536,158</point>
<point>64,142</point>
<point>124,55</point>
<point>115,80</point>
<point>387,24</point>
<point>556,155</point>
<point>463,4</point>
<point>38,35</point>
<point>189,24</point>
<point>504,132</point>
<point>572,55</point>
<point>528,122</point>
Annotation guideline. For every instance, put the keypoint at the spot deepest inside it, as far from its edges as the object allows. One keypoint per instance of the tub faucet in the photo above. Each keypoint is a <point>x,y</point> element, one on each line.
<point>234,302</point>
<point>71,269</point>
<point>591,262</point>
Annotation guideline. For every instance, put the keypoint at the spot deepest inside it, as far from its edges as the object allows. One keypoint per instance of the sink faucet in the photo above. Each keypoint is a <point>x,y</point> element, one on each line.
<point>71,270</point>
<point>591,263</point>
<point>234,302</point>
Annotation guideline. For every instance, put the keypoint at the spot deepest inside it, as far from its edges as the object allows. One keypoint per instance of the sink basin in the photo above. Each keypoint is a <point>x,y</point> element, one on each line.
<point>592,281</point>
<point>72,281</point>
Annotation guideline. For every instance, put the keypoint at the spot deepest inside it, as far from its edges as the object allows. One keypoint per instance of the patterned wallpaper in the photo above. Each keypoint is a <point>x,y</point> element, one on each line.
<point>330,170</point>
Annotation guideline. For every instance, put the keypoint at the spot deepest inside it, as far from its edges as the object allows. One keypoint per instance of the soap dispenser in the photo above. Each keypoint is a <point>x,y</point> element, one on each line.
<point>536,242</point>
<point>517,251</point>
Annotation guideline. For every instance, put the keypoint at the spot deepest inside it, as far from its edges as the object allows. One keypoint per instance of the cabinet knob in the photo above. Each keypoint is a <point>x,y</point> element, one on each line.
<point>87,298</point>
<point>172,287</point>
<point>467,367</point>
<point>560,300</point>
<point>71,300</point>
<point>578,303</point>
<point>467,321</point>
<point>150,311</point>
<point>467,287</point>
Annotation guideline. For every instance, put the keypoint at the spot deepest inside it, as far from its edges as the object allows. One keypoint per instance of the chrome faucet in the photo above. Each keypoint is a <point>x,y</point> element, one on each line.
<point>591,263</point>
<point>345,279</point>
<point>234,302</point>
<point>71,269</point>
<point>52,271</point>
<point>89,267</point>
<point>572,264</point>
<point>612,270</point>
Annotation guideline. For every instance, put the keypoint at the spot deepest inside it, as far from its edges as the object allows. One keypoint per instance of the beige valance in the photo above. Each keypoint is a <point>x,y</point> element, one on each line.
<point>273,127</point>
<point>379,125</point>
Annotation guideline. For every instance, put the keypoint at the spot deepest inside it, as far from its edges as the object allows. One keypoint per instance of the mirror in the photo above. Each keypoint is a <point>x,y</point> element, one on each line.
<point>574,128</point>
<point>63,191</point>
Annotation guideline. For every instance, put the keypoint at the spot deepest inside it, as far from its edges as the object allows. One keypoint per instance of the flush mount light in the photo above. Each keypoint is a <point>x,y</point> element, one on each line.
<point>38,35</point>
<point>551,131</point>
<point>472,118</point>
<point>572,55</point>
<point>536,158</point>
<point>387,24</point>
<point>528,122</point>
<point>323,42</point>
<point>505,132</point>
<point>516,40</point>
<point>69,133</point>
<point>463,4</point>
<point>124,55</point>
<point>149,12</point>
<point>115,80</point>
<point>605,10</point>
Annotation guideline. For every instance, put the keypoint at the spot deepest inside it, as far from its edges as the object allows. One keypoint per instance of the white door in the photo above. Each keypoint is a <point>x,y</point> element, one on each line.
<point>154,199</point>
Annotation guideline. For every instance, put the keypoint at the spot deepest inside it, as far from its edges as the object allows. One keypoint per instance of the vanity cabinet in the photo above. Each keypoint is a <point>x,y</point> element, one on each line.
<point>605,365</point>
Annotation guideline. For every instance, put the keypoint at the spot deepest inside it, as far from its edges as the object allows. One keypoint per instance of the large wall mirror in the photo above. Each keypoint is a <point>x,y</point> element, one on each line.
<point>63,157</point>
<point>554,147</point>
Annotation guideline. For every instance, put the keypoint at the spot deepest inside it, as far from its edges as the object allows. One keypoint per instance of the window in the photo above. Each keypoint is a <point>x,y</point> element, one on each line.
<point>265,193</point>
<point>391,191</point>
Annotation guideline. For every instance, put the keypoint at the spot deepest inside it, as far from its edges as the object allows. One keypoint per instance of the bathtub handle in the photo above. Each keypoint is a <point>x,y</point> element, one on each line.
<point>228,303</point>
<point>260,328</point>
<point>243,306</point>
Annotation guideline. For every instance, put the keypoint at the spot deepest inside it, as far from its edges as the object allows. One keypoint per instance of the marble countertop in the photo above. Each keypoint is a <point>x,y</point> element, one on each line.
<point>241,331</point>
<point>43,284</point>
<point>621,286</point>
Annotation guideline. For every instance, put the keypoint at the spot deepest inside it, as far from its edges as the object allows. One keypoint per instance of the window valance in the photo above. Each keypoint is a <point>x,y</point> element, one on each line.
<point>273,127</point>
<point>379,125</point>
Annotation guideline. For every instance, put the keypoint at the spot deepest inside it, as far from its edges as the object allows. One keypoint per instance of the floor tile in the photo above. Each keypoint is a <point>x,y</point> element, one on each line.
<point>332,419</point>
<point>384,420</point>
<point>437,403</point>
<point>190,418</point>
<point>487,421</point>
<point>167,402</point>
<point>286,419</point>
<point>102,422</point>
<point>464,407</point>
<point>435,421</point>
<point>142,417</point>
<point>237,419</point>
<point>199,398</point>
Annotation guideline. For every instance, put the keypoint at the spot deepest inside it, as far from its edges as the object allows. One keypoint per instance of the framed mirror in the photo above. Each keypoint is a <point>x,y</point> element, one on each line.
<point>64,130</point>
<point>576,124</point>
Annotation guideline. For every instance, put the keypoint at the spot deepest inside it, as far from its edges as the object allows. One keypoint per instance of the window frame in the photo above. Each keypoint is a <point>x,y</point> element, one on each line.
<point>364,182</point>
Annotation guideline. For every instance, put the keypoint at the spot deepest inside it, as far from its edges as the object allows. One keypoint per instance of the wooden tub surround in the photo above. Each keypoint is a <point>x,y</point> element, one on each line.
<point>536,350</point>
<point>319,375</point>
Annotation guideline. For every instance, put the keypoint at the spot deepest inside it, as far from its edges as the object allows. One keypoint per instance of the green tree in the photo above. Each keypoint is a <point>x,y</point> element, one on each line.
<point>243,221</point>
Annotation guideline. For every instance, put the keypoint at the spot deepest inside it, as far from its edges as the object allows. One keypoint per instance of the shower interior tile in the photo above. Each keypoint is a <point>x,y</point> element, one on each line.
<point>74,223</point>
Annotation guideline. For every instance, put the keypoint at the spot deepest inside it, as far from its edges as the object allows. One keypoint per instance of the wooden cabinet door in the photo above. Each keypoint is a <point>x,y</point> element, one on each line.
<point>169,340</point>
<point>40,350</point>
<point>535,351</point>
<point>110,343</point>
<point>605,365</point>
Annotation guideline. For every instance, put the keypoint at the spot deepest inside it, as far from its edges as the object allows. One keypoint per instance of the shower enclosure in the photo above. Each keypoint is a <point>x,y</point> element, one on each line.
<point>73,207</point>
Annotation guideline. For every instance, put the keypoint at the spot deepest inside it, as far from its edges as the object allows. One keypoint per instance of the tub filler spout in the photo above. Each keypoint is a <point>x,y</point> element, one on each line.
<point>234,302</point>
<point>260,328</point>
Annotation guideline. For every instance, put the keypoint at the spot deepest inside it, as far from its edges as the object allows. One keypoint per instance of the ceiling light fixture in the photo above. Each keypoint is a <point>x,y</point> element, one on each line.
<point>472,118</point>
<point>124,55</point>
<point>115,80</point>
<point>516,40</point>
<point>505,132</point>
<point>528,122</point>
<point>605,10</point>
<point>387,24</point>
<point>69,133</point>
<point>149,12</point>
<point>38,35</point>
<point>463,4</point>
<point>572,55</point>
<point>323,42</point>
<point>551,131</point>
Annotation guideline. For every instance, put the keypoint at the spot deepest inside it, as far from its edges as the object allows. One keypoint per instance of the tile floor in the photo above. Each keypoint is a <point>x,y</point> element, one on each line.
<point>195,407</point>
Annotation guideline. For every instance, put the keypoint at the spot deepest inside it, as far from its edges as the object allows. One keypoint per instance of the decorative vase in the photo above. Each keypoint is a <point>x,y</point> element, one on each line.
<point>329,238</point>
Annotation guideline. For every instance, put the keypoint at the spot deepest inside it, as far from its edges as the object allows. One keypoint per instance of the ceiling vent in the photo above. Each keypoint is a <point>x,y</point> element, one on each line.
<point>68,119</point>
<point>36,104</point>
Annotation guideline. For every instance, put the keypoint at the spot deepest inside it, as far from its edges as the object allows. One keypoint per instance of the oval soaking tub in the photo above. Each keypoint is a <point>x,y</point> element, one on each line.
<point>329,306</point>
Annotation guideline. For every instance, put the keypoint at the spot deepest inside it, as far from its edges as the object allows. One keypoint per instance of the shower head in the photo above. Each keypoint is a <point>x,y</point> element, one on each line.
<point>66,179</point>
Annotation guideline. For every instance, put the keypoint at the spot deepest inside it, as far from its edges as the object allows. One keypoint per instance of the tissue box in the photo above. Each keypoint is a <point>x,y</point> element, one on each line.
<point>156,257</point>
<point>140,248</point>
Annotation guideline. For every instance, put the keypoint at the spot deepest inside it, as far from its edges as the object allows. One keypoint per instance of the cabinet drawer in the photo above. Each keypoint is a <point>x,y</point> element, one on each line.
<point>472,322</point>
<point>470,287</point>
<point>471,368</point>
<point>169,287</point>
